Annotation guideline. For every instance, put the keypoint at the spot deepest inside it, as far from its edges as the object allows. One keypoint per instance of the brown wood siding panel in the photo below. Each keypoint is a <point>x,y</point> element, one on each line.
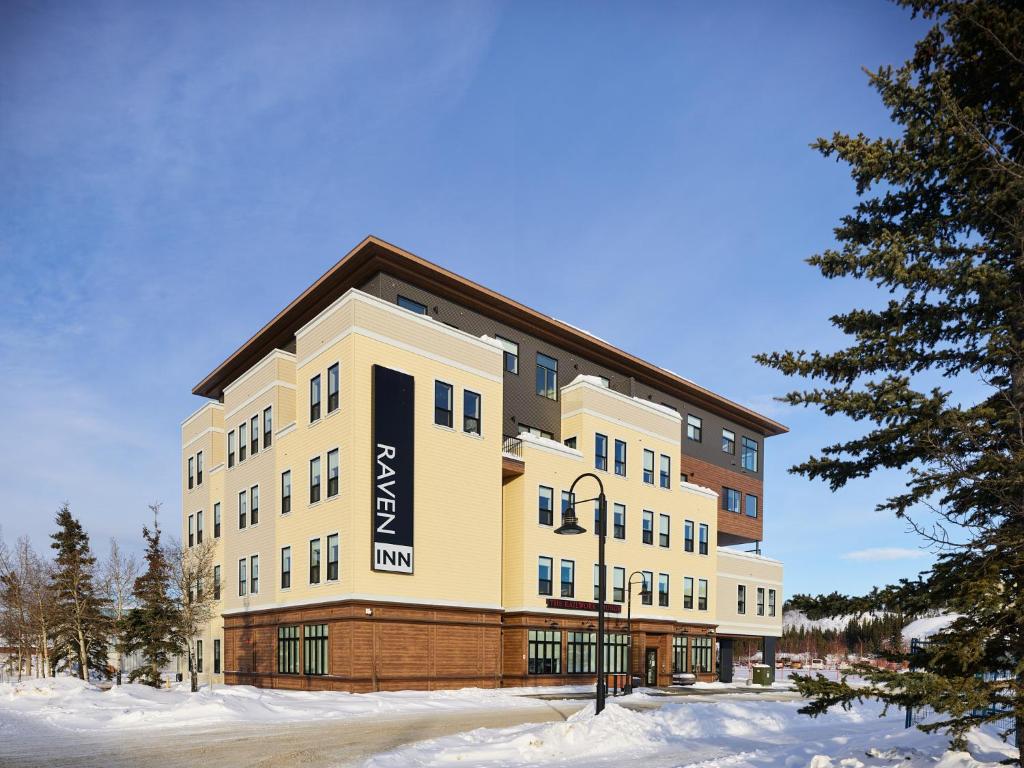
<point>714,477</point>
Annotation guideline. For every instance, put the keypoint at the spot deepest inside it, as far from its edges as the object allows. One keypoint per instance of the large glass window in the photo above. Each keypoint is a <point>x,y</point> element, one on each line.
<point>254,435</point>
<point>601,451</point>
<point>254,574</point>
<point>728,441</point>
<point>470,412</point>
<point>648,466</point>
<point>511,354</point>
<point>544,652</point>
<point>314,649</point>
<point>286,567</point>
<point>703,539</point>
<point>288,650</point>
<point>741,598</point>
<point>750,505</point>
<point>333,556</point>
<point>665,476</point>
<point>314,480</point>
<point>694,427</point>
<point>700,654</point>
<point>254,505</point>
<point>547,376</point>
<point>544,575</point>
<point>581,653</point>
<point>568,578</point>
<point>618,585</point>
<point>664,526</point>
<point>333,388</point>
<point>688,592</point>
<point>730,499</point>
<point>243,442</point>
<point>314,398</point>
<point>332,473</point>
<point>286,492</point>
<point>242,509</point>
<point>702,594</point>
<point>663,590</point>
<point>680,653</point>
<point>268,427</point>
<point>748,456</point>
<point>647,593</point>
<point>619,521</point>
<point>231,449</point>
<point>412,306</point>
<point>648,527</point>
<point>314,561</point>
<point>620,457</point>
<point>443,408</point>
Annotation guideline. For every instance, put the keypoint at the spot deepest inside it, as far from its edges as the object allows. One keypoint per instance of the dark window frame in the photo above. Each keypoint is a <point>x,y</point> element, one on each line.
<point>231,449</point>
<point>546,384</point>
<point>664,530</point>
<point>444,416</point>
<point>286,492</point>
<point>333,558</point>
<point>243,506</point>
<point>600,457</point>
<point>620,463</point>
<point>254,505</point>
<point>543,652</point>
<point>728,443</point>
<point>243,442</point>
<point>703,534</point>
<point>694,431</point>
<point>618,527</point>
<point>314,399</point>
<point>471,424</point>
<point>665,471</point>
<point>508,356</point>
<point>663,594</point>
<point>334,481</point>
<point>545,586</point>
<point>268,427</point>
<point>254,435</point>
<point>314,560</point>
<point>647,531</point>
<point>288,650</point>
<point>316,650</point>
<point>314,487</point>
<point>545,516</point>
<point>688,536</point>
<point>286,567</point>
<point>567,588</point>
<point>412,305</point>
<point>648,474</point>
<point>749,453</point>
<point>333,388</point>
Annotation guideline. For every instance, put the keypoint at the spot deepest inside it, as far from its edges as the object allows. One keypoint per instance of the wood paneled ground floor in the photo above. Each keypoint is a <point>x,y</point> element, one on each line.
<point>364,646</point>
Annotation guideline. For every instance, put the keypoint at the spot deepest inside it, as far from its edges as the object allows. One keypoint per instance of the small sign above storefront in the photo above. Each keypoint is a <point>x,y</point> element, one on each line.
<point>581,605</point>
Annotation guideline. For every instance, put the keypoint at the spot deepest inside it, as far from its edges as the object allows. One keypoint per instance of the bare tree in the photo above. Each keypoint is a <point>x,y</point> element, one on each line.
<point>118,582</point>
<point>39,599</point>
<point>192,590</point>
<point>25,607</point>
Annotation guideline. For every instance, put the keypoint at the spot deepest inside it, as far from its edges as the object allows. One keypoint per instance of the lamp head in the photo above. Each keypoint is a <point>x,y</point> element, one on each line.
<point>569,526</point>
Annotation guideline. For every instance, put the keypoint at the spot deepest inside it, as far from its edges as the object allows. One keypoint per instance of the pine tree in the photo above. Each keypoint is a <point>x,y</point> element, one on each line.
<point>81,627</point>
<point>152,625</point>
<point>940,227</point>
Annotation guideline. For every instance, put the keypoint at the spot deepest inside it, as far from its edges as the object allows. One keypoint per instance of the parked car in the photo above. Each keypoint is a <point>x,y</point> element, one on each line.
<point>797,664</point>
<point>683,678</point>
<point>817,664</point>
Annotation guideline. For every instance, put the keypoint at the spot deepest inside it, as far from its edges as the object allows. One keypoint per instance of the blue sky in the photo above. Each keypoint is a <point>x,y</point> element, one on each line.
<point>641,170</point>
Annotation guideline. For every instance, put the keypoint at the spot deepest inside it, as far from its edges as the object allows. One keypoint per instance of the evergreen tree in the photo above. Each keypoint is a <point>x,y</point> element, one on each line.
<point>940,227</point>
<point>153,624</point>
<point>81,627</point>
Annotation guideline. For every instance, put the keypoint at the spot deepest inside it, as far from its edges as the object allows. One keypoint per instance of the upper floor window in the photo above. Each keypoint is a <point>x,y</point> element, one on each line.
<point>191,530</point>
<point>702,594</point>
<point>243,441</point>
<point>254,505</point>
<point>741,599</point>
<point>333,388</point>
<point>199,468</point>
<point>688,592</point>
<point>771,602</point>
<point>286,567</point>
<point>728,441</point>
<point>412,306</point>
<point>314,398</point>
<point>268,427</point>
<point>243,578</point>
<point>619,521</point>
<point>665,476</point>
<point>547,376</point>
<point>443,408</point>
<point>703,539</point>
<point>694,427</point>
<point>254,435</point>
<point>730,500</point>
<point>216,520</point>
<point>537,432</point>
<point>570,442</point>
<point>511,355</point>
<point>545,505</point>
<point>568,578</point>
<point>254,574</point>
<point>760,601</point>
<point>199,527</point>
<point>663,590</point>
<point>647,592</point>
<point>648,466</point>
<point>688,536</point>
<point>620,457</point>
<point>601,451</point>
<point>286,492</point>
<point>618,585</point>
<point>664,525</point>
<point>748,456</point>
<point>332,472</point>
<point>544,576</point>
<point>333,556</point>
<point>314,561</point>
<point>470,412</point>
<point>231,449</point>
<point>750,505</point>
<point>216,582</point>
<point>314,480</point>
<point>648,527</point>
<point>191,472</point>
<point>242,509</point>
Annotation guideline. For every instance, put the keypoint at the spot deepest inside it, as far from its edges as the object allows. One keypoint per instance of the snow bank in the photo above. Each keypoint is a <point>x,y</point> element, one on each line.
<point>924,628</point>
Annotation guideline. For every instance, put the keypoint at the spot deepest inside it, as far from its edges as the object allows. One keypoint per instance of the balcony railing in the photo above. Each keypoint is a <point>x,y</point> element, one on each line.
<point>512,447</point>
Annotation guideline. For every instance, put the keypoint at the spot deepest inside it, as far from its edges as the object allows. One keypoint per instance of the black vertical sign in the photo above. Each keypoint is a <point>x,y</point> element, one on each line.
<point>393,410</point>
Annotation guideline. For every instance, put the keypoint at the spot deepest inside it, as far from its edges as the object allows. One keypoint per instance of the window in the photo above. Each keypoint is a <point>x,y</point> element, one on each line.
<point>243,579</point>
<point>545,505</point>
<point>199,527</point>
<point>648,527</point>
<point>254,435</point>
<point>605,382</point>
<point>683,477</point>
<point>700,654</point>
<point>581,652</point>
<point>332,473</point>
<point>268,427</point>
<point>771,602</point>
<point>191,530</point>
<point>314,649</point>
<point>544,652</point>
<point>470,412</point>
<point>314,399</point>
<point>231,449</point>
<point>703,540</point>
<point>702,594</point>
<point>694,427</point>
<point>728,441</point>
<point>570,442</point>
<point>333,388</point>
<point>566,502</point>
<point>216,656</point>
<point>741,598</point>
<point>254,505</point>
<point>760,601</point>
<point>332,557</point>
<point>688,536</point>
<point>730,499</point>
<point>191,472</point>
<point>664,526</point>
<point>314,480</point>
<point>619,585</point>
<point>199,655</point>
<point>748,457</point>
<point>241,509</point>
<point>216,582</point>
<point>536,432</point>
<point>688,592</point>
<point>547,376</point>
<point>601,451</point>
<point>286,492</point>
<point>286,567</point>
<point>243,442</point>
<point>199,468</point>
<point>288,650</point>
<point>412,306</point>
<point>620,458</point>
<point>679,653</point>
<point>619,521</point>
<point>597,582</point>
<point>254,574</point>
<point>648,467</point>
<point>568,578</point>
<point>314,561</point>
<point>443,404</point>
<point>544,576</point>
<point>647,591</point>
<point>750,505</point>
<point>663,590</point>
<point>666,472</point>
<point>511,354</point>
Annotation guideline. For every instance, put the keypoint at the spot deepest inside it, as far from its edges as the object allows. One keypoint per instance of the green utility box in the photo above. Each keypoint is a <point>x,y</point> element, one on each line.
<point>763,675</point>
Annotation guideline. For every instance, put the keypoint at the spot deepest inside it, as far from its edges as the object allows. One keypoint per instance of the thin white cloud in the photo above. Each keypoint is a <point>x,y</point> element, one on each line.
<point>884,553</point>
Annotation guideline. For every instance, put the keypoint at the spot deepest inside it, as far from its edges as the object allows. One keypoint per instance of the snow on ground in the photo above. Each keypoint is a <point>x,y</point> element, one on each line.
<point>927,626</point>
<point>688,734</point>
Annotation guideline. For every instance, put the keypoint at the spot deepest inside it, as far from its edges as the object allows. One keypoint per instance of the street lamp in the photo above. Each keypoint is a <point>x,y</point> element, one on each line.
<point>644,593</point>
<point>571,527</point>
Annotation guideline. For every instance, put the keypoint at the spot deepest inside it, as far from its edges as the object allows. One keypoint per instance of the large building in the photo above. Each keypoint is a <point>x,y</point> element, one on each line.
<point>382,468</point>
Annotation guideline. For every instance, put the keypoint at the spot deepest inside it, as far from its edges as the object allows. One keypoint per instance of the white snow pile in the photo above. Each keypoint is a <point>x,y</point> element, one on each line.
<point>927,626</point>
<point>71,704</point>
<point>691,734</point>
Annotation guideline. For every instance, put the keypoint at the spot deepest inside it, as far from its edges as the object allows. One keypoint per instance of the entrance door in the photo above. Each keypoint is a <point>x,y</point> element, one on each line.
<point>652,666</point>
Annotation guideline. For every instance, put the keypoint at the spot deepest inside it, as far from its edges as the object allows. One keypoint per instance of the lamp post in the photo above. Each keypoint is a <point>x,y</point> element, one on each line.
<point>629,622</point>
<point>571,527</point>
